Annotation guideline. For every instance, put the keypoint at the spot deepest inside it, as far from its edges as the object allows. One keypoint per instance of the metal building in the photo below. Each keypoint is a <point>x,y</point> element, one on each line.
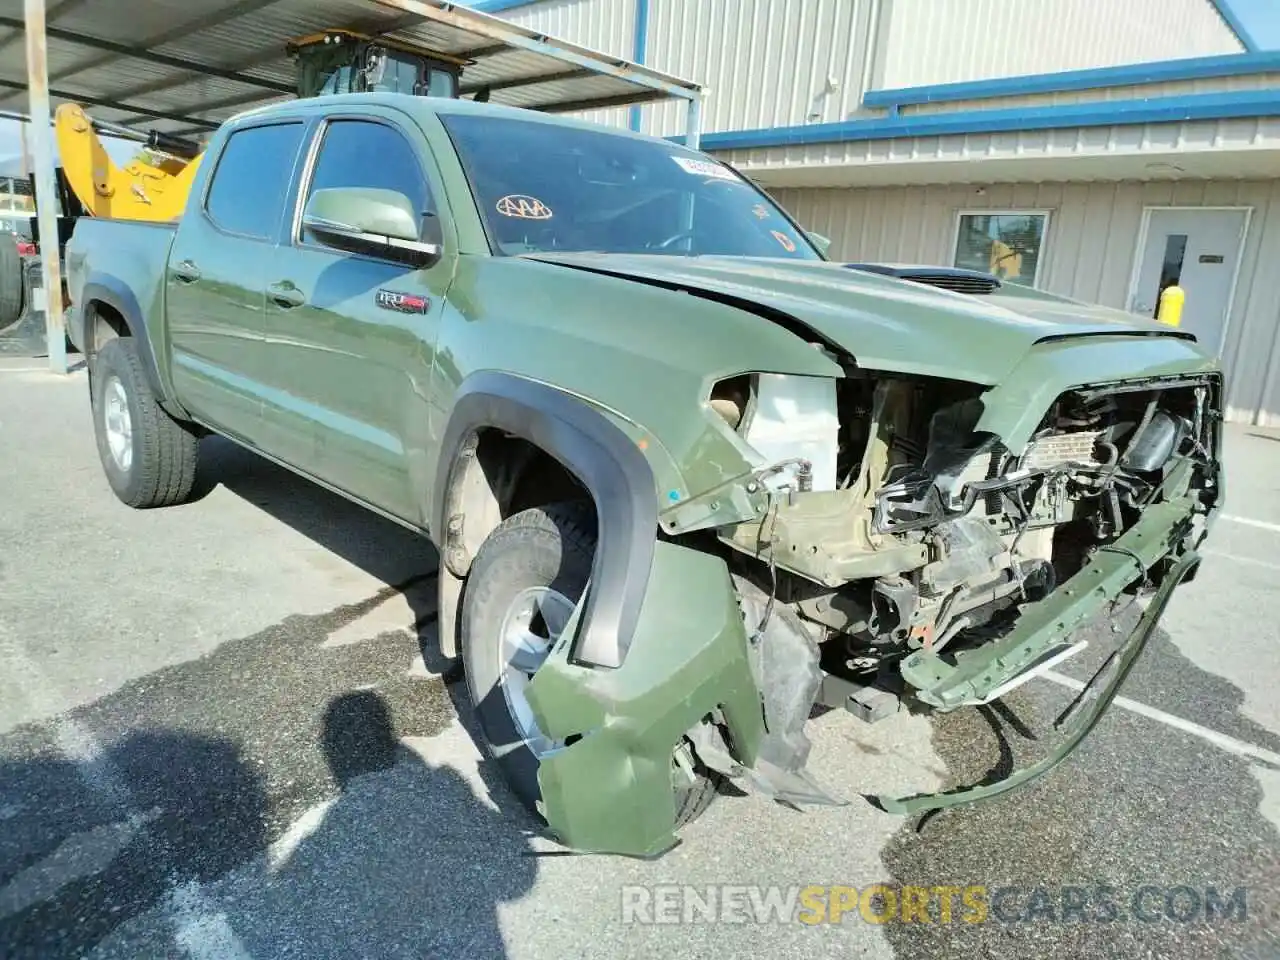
<point>1097,149</point>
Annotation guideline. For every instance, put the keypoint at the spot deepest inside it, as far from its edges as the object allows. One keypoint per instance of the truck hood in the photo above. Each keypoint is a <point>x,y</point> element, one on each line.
<point>882,322</point>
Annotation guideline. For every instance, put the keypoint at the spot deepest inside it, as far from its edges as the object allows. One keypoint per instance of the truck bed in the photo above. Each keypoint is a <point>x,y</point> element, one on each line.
<point>128,257</point>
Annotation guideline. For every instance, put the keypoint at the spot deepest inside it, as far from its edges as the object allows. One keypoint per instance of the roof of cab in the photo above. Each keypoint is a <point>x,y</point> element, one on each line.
<point>418,105</point>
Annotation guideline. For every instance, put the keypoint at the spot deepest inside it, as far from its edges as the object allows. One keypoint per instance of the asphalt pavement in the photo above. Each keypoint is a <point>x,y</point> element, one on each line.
<point>225,733</point>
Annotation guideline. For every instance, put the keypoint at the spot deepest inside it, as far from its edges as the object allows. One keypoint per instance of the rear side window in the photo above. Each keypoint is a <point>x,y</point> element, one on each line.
<point>361,153</point>
<point>252,177</point>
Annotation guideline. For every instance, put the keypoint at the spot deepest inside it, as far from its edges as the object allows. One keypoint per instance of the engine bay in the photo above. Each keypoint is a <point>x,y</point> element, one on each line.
<point>895,525</point>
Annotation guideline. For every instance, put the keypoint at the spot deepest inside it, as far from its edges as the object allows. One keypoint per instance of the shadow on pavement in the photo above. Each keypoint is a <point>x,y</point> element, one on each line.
<point>85,846</point>
<point>280,796</point>
<point>406,862</point>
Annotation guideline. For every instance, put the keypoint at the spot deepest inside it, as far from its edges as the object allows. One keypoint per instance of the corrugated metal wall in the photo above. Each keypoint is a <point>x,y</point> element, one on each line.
<point>941,41</point>
<point>765,62</point>
<point>605,25</point>
<point>1089,251</point>
<point>768,63</point>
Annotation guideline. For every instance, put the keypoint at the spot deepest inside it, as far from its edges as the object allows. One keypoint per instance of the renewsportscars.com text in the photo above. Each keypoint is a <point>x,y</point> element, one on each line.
<point>880,903</point>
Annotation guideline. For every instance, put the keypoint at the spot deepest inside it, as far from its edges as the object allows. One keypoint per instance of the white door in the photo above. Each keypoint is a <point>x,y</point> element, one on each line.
<point>1199,250</point>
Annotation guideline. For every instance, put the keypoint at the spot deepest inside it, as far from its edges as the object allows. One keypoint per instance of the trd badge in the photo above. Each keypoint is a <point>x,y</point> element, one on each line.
<point>401,302</point>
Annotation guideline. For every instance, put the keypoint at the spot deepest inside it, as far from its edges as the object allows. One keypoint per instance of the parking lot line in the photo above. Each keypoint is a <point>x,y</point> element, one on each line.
<point>1250,522</point>
<point>1239,559</point>
<point>1220,740</point>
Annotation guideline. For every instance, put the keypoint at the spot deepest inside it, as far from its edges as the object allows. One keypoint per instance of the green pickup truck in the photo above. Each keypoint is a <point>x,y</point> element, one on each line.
<point>687,477</point>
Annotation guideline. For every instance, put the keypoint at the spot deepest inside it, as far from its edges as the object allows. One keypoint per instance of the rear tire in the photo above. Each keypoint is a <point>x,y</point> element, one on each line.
<point>543,554</point>
<point>149,458</point>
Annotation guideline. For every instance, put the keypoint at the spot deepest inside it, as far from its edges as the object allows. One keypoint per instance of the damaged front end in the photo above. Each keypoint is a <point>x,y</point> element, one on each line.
<point>937,563</point>
<point>897,542</point>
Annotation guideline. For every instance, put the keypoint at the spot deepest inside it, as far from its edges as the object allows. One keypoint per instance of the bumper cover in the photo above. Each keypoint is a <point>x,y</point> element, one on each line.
<point>611,790</point>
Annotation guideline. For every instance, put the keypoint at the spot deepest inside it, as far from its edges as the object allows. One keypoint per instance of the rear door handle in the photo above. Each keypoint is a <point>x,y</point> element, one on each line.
<point>285,294</point>
<point>187,272</point>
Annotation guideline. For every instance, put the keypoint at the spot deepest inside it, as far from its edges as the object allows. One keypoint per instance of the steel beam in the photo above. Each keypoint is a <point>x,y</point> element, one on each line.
<point>693,123</point>
<point>110,105</point>
<point>600,103</point>
<point>527,81</point>
<point>184,29</point>
<point>46,196</point>
<point>141,53</point>
<point>239,100</point>
<point>521,38</point>
<point>56,11</point>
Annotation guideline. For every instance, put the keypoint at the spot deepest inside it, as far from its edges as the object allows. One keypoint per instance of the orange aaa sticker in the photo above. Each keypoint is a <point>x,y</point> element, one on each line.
<point>788,244</point>
<point>523,208</point>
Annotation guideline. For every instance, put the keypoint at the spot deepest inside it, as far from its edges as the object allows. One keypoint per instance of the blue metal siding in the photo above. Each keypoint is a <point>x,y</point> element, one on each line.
<point>1192,68</point>
<point>1228,13</point>
<point>1212,106</point>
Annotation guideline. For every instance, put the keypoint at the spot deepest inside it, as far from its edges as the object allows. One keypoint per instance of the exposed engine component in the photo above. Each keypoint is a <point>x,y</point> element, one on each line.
<point>796,418</point>
<point>934,534</point>
<point>729,398</point>
<point>1156,442</point>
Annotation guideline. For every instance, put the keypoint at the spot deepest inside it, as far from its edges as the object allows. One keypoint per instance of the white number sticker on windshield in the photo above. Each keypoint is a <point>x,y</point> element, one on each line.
<point>705,168</point>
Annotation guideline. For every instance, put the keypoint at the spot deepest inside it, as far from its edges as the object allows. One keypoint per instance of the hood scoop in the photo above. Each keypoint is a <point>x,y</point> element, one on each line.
<point>955,279</point>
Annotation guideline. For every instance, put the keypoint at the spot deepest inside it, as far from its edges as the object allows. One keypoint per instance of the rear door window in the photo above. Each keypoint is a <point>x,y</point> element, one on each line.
<point>247,193</point>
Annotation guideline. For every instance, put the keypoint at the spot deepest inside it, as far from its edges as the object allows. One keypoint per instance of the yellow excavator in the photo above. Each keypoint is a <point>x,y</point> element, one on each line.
<point>154,184</point>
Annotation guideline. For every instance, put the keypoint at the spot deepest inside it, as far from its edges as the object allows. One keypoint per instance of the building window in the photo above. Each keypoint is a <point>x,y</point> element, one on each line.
<point>1006,243</point>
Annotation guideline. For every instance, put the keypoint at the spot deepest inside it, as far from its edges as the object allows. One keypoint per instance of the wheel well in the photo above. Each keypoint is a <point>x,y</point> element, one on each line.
<point>499,475</point>
<point>107,324</point>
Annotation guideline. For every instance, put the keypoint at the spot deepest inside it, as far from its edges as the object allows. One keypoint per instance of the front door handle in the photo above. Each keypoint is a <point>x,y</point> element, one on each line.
<point>285,294</point>
<point>187,272</point>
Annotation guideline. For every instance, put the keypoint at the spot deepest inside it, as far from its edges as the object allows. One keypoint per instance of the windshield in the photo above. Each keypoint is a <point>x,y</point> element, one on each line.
<point>543,187</point>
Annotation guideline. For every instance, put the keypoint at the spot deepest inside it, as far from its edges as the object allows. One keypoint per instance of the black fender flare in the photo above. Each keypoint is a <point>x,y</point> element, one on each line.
<point>104,288</point>
<point>605,461</point>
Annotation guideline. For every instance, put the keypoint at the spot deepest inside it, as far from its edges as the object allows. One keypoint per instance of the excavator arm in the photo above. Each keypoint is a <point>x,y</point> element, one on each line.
<point>142,190</point>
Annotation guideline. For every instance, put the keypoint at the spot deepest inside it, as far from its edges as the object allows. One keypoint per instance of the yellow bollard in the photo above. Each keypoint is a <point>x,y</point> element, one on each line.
<point>1171,301</point>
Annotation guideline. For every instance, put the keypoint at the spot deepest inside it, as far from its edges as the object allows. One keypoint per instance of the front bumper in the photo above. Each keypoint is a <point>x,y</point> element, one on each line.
<point>1046,625</point>
<point>1160,547</point>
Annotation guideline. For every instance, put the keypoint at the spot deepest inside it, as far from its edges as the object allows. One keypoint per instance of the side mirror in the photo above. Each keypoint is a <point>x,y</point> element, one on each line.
<point>381,223</point>
<point>818,240</point>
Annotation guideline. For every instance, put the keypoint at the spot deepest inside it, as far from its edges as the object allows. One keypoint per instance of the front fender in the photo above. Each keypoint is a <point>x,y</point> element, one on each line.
<point>607,462</point>
<point>610,791</point>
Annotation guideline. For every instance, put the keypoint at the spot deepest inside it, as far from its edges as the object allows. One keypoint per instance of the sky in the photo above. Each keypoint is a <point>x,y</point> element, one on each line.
<point>1260,17</point>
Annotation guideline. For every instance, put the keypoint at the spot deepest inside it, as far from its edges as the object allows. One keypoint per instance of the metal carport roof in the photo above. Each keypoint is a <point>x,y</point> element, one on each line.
<point>185,67</point>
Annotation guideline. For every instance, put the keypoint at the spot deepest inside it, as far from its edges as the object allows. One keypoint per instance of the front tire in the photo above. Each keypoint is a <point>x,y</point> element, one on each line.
<point>525,581</point>
<point>149,458</point>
